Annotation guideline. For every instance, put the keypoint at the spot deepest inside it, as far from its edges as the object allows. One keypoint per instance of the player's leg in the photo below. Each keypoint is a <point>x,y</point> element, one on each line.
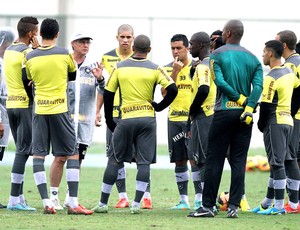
<point>279,136</point>
<point>22,133</point>
<point>145,151</point>
<point>147,201</point>
<point>178,155</point>
<point>82,149</point>
<point>142,179</point>
<point>293,181</point>
<point>109,178</point>
<point>121,179</point>
<point>56,172</point>
<point>63,140</point>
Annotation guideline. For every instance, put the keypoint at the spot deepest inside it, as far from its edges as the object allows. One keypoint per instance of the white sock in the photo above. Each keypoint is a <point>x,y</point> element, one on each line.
<point>147,195</point>
<point>73,201</point>
<point>22,198</point>
<point>53,193</point>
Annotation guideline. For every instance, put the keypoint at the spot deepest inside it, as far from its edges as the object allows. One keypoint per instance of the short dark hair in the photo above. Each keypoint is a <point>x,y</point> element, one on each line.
<point>217,32</point>
<point>49,28</point>
<point>26,24</point>
<point>142,43</point>
<point>276,46</point>
<point>180,37</point>
<point>289,38</point>
<point>218,41</point>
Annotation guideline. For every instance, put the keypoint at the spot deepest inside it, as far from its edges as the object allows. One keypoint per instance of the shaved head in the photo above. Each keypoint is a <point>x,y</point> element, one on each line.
<point>236,27</point>
<point>233,31</point>
<point>125,27</point>
<point>142,43</point>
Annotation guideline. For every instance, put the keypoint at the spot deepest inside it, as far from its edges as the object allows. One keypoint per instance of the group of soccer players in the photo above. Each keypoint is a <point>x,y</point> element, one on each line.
<point>201,87</point>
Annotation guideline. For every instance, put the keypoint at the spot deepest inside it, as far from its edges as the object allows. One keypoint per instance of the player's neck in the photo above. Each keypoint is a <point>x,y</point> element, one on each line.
<point>24,40</point>
<point>124,53</point>
<point>287,54</point>
<point>275,63</point>
<point>47,43</point>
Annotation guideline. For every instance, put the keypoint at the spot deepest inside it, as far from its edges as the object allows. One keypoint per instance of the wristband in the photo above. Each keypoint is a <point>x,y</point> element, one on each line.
<point>99,81</point>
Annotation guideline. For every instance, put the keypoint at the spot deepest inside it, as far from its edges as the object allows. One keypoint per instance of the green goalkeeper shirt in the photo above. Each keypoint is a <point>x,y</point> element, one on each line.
<point>235,71</point>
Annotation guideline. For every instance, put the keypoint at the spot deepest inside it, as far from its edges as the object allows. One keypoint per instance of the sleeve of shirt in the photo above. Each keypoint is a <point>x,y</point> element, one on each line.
<point>257,86</point>
<point>163,78</point>
<point>101,87</point>
<point>112,83</point>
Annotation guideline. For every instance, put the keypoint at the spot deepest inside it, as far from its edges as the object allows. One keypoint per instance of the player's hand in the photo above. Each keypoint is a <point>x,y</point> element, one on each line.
<point>98,120</point>
<point>242,100</point>
<point>34,42</point>
<point>98,70</point>
<point>177,65</point>
<point>247,116</point>
<point>163,91</point>
<point>111,125</point>
<point>1,130</point>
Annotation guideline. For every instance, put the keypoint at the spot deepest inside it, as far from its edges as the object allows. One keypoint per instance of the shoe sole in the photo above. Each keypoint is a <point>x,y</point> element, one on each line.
<point>196,215</point>
<point>22,210</point>
<point>79,213</point>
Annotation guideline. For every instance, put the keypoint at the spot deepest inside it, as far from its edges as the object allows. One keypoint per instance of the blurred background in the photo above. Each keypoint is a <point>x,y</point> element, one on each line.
<point>159,20</point>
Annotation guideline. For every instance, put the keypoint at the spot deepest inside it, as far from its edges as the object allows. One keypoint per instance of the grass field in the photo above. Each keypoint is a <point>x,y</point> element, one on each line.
<point>164,195</point>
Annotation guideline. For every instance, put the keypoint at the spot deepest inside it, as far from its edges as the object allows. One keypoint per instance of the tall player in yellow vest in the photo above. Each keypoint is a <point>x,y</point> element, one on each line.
<point>276,123</point>
<point>19,108</point>
<point>203,101</point>
<point>292,60</point>
<point>50,68</point>
<point>125,37</point>
<point>136,77</point>
<point>179,143</point>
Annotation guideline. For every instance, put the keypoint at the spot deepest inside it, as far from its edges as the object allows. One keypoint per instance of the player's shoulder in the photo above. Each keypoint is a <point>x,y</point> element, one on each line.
<point>19,47</point>
<point>111,53</point>
<point>169,65</point>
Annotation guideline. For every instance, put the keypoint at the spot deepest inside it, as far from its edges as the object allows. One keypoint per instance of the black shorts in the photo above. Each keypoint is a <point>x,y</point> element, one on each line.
<point>55,129</point>
<point>276,140</point>
<point>135,137</point>
<point>180,146</point>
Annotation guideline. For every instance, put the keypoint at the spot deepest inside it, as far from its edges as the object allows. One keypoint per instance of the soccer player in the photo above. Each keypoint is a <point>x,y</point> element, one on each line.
<point>292,60</point>
<point>238,76</point>
<point>202,107</point>
<point>276,123</point>
<point>136,77</point>
<point>82,103</point>
<point>19,108</point>
<point>216,42</point>
<point>50,68</point>
<point>125,37</point>
<point>7,37</point>
<point>179,143</point>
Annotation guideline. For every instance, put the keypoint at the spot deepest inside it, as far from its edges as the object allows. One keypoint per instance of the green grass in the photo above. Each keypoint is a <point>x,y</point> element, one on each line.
<point>98,147</point>
<point>164,195</point>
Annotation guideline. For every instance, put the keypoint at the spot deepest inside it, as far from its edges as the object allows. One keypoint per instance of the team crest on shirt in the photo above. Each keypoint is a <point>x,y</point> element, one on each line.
<point>87,70</point>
